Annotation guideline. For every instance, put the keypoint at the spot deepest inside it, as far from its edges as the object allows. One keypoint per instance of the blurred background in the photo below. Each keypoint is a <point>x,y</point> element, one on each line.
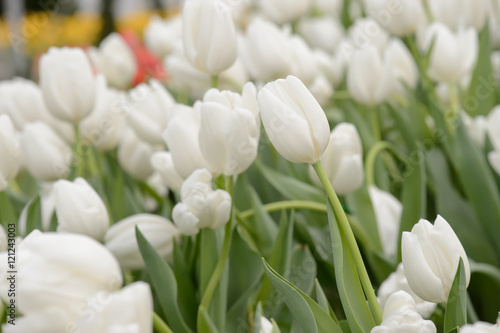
<point>29,27</point>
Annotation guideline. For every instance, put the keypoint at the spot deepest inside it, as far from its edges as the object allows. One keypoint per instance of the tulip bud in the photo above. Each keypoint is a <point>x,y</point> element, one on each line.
<point>302,66</point>
<point>134,156</point>
<point>453,54</point>
<point>67,83</point>
<point>121,241</point>
<point>265,325</point>
<point>321,89</point>
<point>209,35</point>
<point>454,13</point>
<point>430,257</point>
<point>400,316</point>
<point>147,108</point>
<point>46,156</point>
<point>294,121</point>
<point>80,209</point>
<point>127,310</point>
<point>164,165</point>
<point>163,36</point>
<point>493,130</point>
<point>181,137</point>
<point>397,281</point>
<point>10,151</point>
<point>201,206</point>
<point>403,67</point>
<point>3,239</point>
<point>45,261</point>
<point>476,127</point>
<point>329,7</point>
<point>283,11</point>
<point>115,60</point>
<point>229,131</point>
<point>342,160</point>
<point>369,87</point>
<point>481,327</point>
<point>324,32</point>
<point>266,51</point>
<point>400,18</point>
<point>106,124</point>
<point>388,212</point>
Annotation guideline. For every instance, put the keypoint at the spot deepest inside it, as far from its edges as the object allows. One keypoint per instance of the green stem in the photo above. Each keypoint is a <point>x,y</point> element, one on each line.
<point>341,94</point>
<point>214,81</point>
<point>159,325</point>
<point>372,154</point>
<point>452,113</point>
<point>78,153</point>
<point>375,124</point>
<point>343,223</point>
<point>288,204</point>
<point>224,254</point>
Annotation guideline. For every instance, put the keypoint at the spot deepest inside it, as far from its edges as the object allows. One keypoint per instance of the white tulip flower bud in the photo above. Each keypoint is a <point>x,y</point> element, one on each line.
<point>68,84</point>
<point>129,310</point>
<point>481,327</point>
<point>400,18</point>
<point>476,127</point>
<point>121,239</point>
<point>455,13</point>
<point>45,261</point>
<point>397,281</point>
<point>324,32</point>
<point>116,60</point>
<point>400,316</point>
<point>329,7</point>
<point>201,206</point>
<point>209,35</point>
<point>388,212</point>
<point>229,130</point>
<point>3,239</point>
<point>163,164</point>
<point>342,160</point>
<point>80,209</point>
<point>10,151</point>
<point>431,254</point>
<point>493,130</point>
<point>403,66</point>
<point>134,156</point>
<point>266,326</point>
<point>453,54</point>
<point>283,11</point>
<point>162,37</point>
<point>294,121</point>
<point>46,156</point>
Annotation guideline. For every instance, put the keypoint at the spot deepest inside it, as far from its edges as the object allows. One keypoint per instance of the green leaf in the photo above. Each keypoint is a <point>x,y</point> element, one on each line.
<point>205,323</point>
<point>34,215</point>
<point>187,290</point>
<point>311,317</point>
<point>164,283</point>
<point>323,301</point>
<point>303,269</point>
<point>7,211</point>
<point>456,307</point>
<point>53,223</point>
<point>291,188</point>
<point>265,227</point>
<point>351,293</point>
<point>276,329</point>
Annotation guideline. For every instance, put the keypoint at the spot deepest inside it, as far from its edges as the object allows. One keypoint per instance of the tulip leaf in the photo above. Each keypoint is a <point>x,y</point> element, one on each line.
<point>303,269</point>
<point>164,283</point>
<point>456,307</point>
<point>484,289</point>
<point>276,329</point>
<point>53,222</point>
<point>265,227</point>
<point>323,301</point>
<point>351,293</point>
<point>291,188</point>
<point>205,324</point>
<point>308,314</point>
<point>34,216</point>
<point>7,211</point>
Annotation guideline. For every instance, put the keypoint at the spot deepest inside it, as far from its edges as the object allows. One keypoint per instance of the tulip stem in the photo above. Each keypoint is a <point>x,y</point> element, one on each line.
<point>372,154</point>
<point>287,204</point>
<point>343,223</point>
<point>78,153</point>
<point>159,325</point>
<point>375,124</point>
<point>224,254</point>
<point>214,81</point>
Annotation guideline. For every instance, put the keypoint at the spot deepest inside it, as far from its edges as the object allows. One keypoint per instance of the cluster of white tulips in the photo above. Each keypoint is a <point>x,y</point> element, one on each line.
<point>281,179</point>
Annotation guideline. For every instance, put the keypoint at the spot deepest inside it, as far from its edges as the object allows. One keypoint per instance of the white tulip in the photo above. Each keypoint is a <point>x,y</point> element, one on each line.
<point>453,54</point>
<point>481,327</point>
<point>294,121</point>
<point>201,206</point>
<point>283,11</point>
<point>456,13</point>
<point>342,160</point>
<point>266,326</point>
<point>495,64</point>
<point>329,7</point>
<point>121,240</point>
<point>80,209</point>
<point>163,36</point>
<point>493,127</point>
<point>147,107</point>
<point>116,60</point>
<point>430,257</point>
<point>476,127</point>
<point>494,159</point>
<point>3,239</point>
<point>229,130</point>
<point>324,33</point>
<point>67,83</point>
<point>400,18</point>
<point>397,281</point>
<point>181,137</point>
<point>403,66</point>
<point>46,156</point>
<point>369,77</point>
<point>22,100</point>
<point>47,208</point>
<point>388,211</point>
<point>266,51</point>
<point>134,156</point>
<point>10,150</point>
<point>129,310</point>
<point>163,164</point>
<point>332,67</point>
<point>56,274</point>
<point>209,35</point>
<point>321,89</point>
<point>106,124</point>
<point>363,33</point>
<point>400,315</point>
<point>302,66</point>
